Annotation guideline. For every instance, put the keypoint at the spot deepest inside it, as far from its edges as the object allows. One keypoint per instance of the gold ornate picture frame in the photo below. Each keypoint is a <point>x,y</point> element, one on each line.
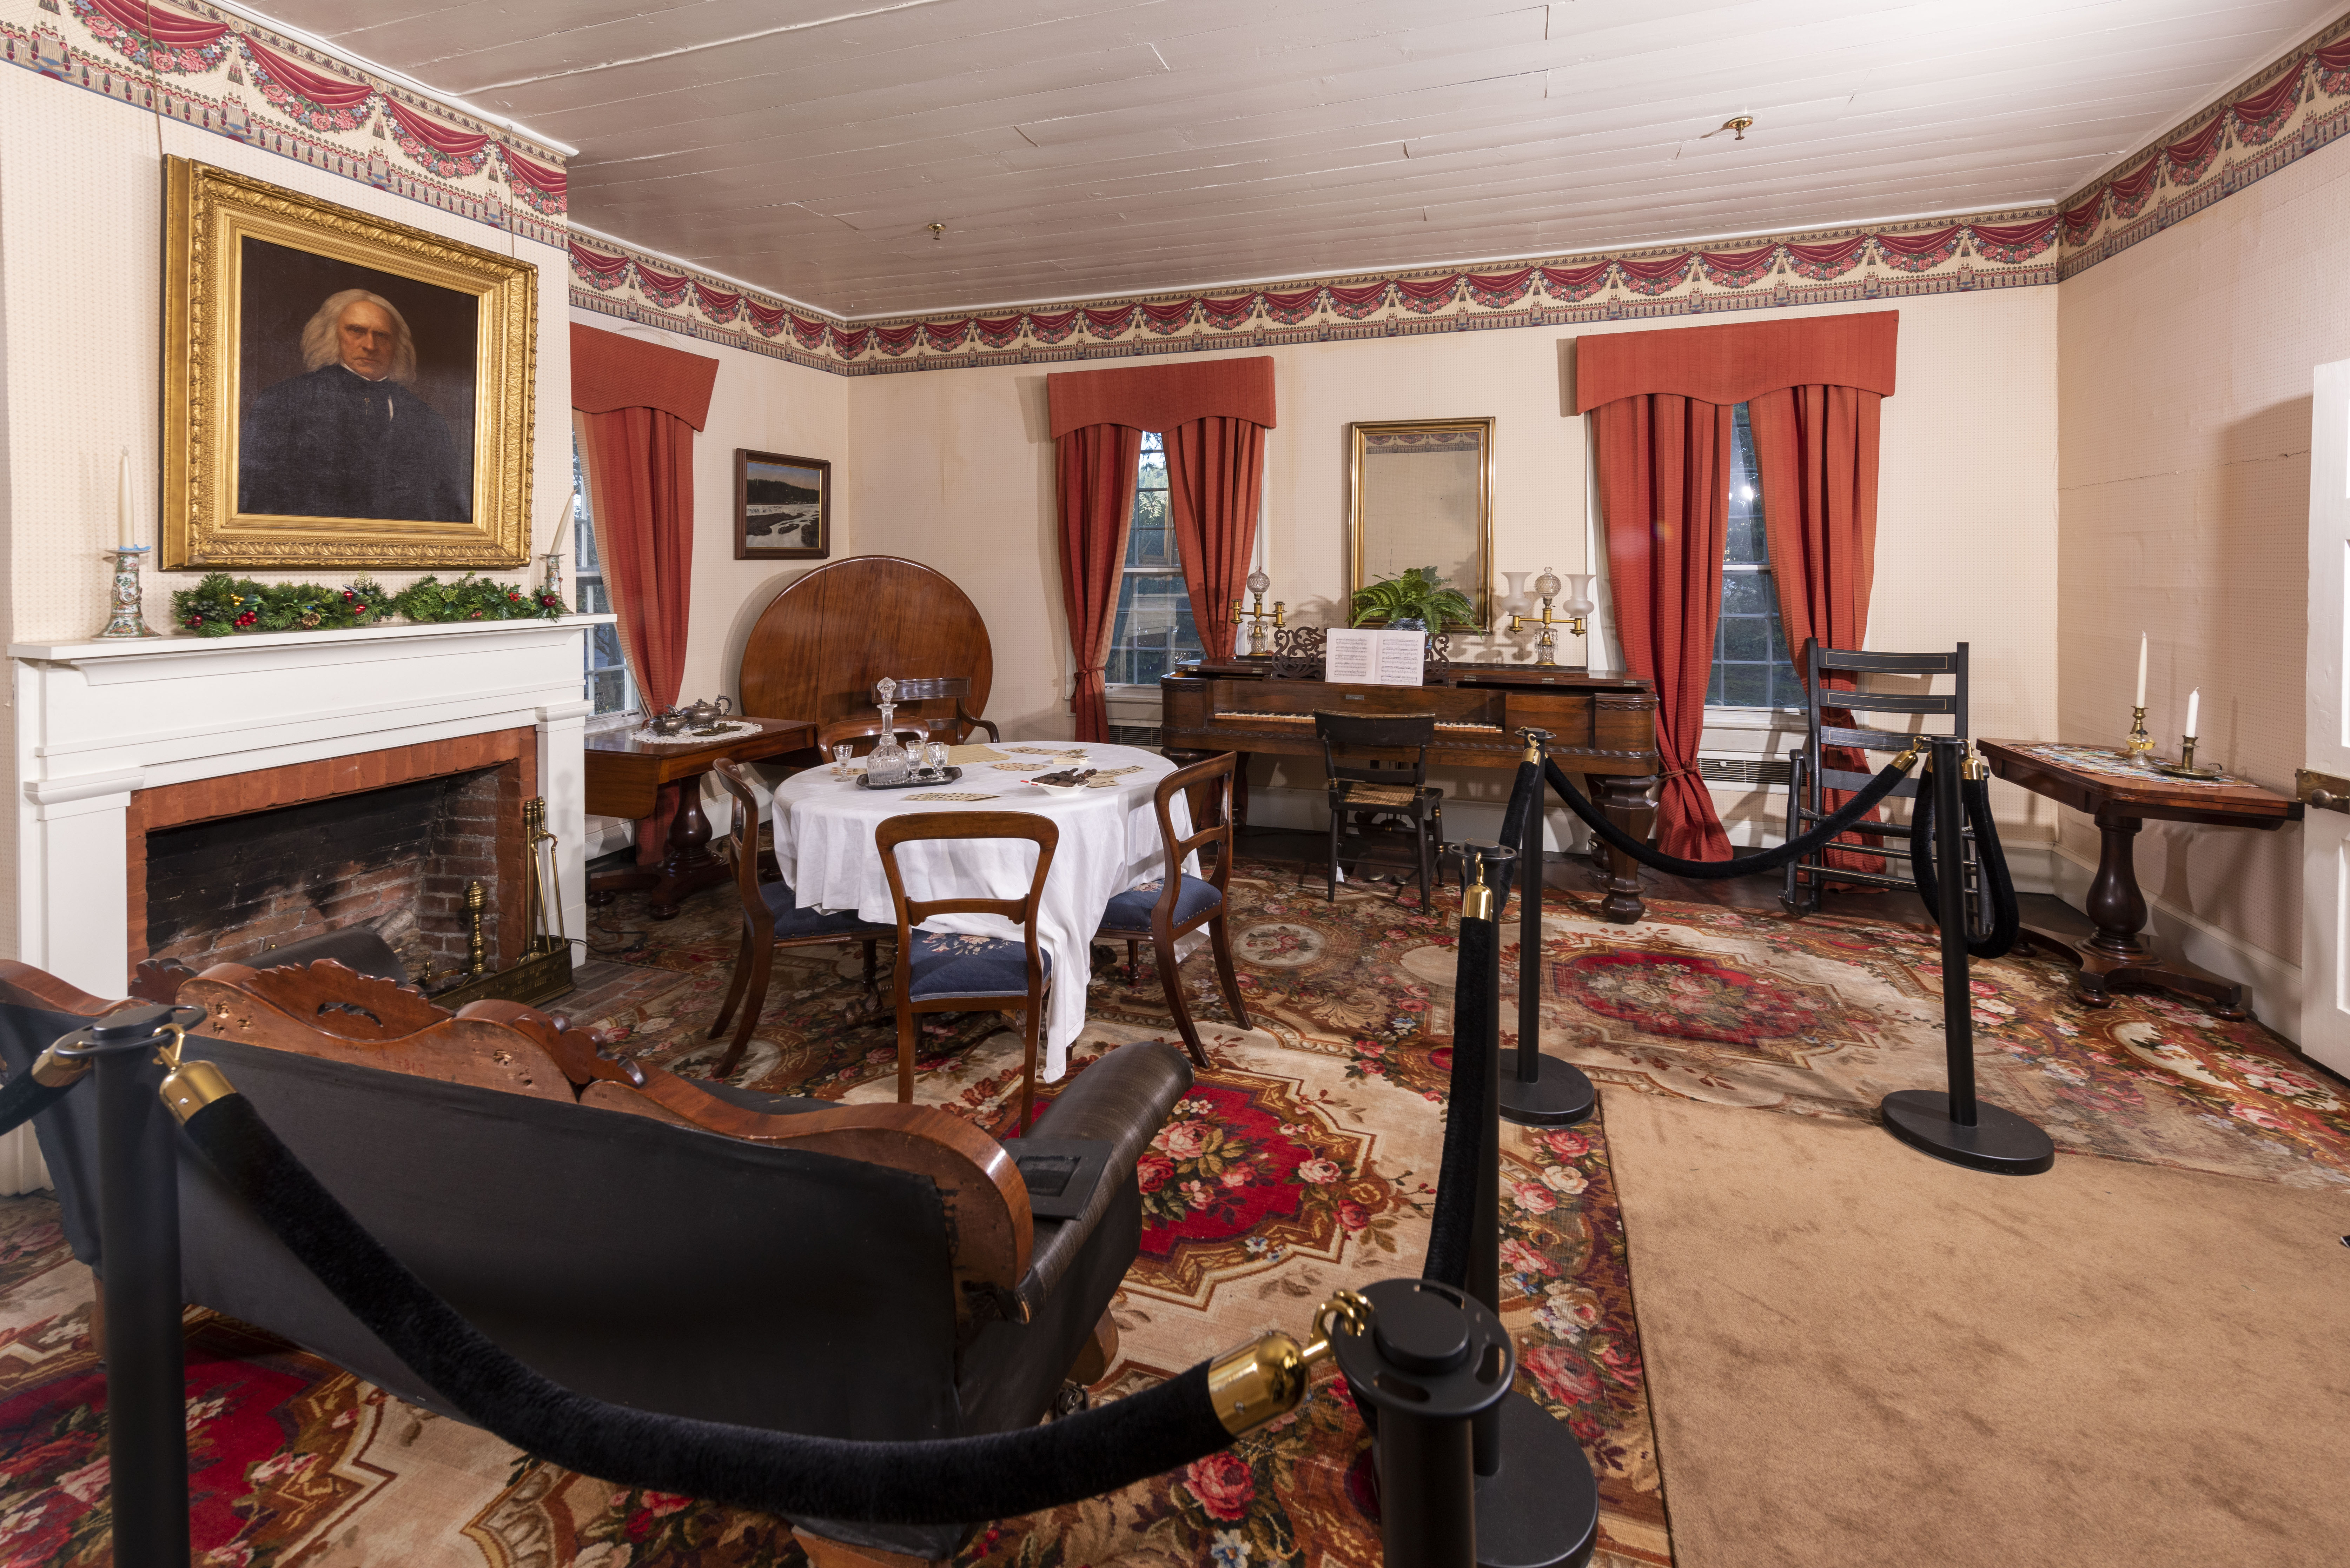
<point>1423,496</point>
<point>339,392</point>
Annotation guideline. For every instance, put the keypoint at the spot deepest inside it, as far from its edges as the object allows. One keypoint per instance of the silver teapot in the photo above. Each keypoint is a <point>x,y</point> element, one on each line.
<point>705,713</point>
<point>667,722</point>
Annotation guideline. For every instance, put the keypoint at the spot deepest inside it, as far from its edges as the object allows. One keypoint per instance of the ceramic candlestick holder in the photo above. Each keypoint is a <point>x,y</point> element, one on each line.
<point>553,583</point>
<point>129,616</point>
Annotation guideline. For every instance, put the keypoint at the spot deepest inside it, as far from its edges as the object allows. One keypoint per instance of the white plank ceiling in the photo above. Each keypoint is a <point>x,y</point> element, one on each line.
<point>1075,149</point>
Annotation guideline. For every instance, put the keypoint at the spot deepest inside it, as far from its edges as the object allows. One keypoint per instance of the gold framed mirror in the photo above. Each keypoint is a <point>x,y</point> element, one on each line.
<point>1423,496</point>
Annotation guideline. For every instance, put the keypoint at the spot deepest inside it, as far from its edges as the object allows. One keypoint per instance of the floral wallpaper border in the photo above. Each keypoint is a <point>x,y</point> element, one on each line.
<point>219,72</point>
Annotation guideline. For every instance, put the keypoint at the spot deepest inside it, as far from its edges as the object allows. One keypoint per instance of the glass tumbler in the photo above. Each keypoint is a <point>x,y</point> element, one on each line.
<point>841,755</point>
<point>939,757</point>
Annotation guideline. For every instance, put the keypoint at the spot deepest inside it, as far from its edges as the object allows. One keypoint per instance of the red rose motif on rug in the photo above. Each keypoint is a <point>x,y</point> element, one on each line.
<point>1685,996</point>
<point>1244,1171</point>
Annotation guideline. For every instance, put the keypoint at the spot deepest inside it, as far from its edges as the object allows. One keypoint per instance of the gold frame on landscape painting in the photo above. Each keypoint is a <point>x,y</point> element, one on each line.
<point>486,359</point>
<point>1477,522</point>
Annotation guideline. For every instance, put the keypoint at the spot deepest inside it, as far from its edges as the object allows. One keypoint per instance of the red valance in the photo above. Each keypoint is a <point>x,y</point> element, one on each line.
<point>1161,397</point>
<point>609,372</point>
<point>1737,362</point>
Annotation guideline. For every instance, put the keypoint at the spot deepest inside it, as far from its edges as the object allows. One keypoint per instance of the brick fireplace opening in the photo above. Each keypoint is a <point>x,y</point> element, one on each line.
<point>223,870</point>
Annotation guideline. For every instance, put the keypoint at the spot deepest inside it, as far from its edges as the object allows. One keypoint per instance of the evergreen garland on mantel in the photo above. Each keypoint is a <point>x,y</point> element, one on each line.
<point>222,605</point>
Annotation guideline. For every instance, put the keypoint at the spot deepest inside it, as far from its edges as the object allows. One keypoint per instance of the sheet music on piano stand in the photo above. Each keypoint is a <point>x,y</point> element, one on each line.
<point>1352,658</point>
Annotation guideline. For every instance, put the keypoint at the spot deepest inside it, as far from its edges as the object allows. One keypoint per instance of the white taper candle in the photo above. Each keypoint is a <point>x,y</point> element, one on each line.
<point>122,501</point>
<point>2194,701</point>
<point>2141,670</point>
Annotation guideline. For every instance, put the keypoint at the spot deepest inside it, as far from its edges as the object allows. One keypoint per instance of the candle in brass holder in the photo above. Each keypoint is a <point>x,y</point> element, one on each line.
<point>2141,745</point>
<point>1257,583</point>
<point>2185,768</point>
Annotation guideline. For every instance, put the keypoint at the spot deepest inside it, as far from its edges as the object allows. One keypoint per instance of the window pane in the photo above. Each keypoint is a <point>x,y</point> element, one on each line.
<point>605,680</point>
<point>1154,631</point>
<point>1752,669</point>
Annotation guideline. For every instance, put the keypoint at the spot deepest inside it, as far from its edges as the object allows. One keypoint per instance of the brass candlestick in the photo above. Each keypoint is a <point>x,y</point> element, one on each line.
<point>1546,645</point>
<point>1257,583</point>
<point>477,955</point>
<point>129,616</point>
<point>2140,743</point>
<point>2185,768</point>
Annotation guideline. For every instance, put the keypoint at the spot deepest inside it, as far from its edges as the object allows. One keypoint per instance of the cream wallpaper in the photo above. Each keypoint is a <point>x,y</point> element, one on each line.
<point>2184,494</point>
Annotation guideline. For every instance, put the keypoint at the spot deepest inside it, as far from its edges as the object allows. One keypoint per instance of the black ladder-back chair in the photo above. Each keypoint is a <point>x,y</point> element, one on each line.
<point>1809,778</point>
<point>1378,786</point>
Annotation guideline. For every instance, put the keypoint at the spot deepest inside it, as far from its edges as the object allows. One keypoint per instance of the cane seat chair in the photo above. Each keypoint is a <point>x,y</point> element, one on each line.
<point>772,917</point>
<point>1378,767</point>
<point>1178,904</point>
<point>1812,772</point>
<point>957,971</point>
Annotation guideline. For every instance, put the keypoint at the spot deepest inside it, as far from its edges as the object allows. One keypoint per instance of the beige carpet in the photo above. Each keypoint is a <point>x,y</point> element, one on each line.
<point>1861,1355</point>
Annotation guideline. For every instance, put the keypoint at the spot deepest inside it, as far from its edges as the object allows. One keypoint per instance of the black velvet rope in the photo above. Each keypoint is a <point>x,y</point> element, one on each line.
<point>1837,822</point>
<point>2007,919</point>
<point>1475,1016</point>
<point>1524,794</point>
<point>26,1096</point>
<point>949,1481</point>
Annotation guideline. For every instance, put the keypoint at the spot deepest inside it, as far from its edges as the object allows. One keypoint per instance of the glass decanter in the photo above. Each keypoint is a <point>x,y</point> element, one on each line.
<point>887,764</point>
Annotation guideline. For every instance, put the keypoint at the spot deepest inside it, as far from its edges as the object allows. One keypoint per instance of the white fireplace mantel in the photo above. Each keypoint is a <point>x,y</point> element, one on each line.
<point>97,721</point>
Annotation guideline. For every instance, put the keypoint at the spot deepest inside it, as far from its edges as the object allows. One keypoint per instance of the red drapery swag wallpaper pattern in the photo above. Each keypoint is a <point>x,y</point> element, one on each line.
<point>1813,389</point>
<point>640,404</point>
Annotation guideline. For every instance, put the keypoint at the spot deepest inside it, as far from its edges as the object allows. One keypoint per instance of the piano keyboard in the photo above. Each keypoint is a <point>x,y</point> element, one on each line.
<point>1308,719</point>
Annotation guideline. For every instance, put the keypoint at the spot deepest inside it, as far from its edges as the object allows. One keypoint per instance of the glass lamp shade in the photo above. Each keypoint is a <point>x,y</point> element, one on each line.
<point>1257,583</point>
<point>1547,583</point>
<point>1580,604</point>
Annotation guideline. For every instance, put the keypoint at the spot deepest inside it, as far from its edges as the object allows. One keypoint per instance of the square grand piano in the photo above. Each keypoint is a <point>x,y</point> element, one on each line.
<point>1602,726</point>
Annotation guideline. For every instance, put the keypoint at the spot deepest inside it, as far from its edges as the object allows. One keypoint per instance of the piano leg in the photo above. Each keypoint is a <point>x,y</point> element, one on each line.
<point>1630,805</point>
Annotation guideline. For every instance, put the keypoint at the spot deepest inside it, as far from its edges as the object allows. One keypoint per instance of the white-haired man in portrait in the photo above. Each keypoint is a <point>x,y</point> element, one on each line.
<point>348,438</point>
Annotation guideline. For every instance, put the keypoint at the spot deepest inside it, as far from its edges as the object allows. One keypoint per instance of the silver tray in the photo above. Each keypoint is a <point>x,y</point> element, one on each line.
<point>952,775</point>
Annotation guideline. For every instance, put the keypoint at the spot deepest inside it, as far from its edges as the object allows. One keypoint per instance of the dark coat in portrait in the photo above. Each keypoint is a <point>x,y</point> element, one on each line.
<point>332,444</point>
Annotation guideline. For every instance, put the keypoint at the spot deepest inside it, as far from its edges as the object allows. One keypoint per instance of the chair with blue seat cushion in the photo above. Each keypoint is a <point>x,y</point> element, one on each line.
<point>772,919</point>
<point>1161,913</point>
<point>954,971</point>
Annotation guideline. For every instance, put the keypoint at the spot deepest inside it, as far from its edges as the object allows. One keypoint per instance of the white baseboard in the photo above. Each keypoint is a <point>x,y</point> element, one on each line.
<point>2272,984</point>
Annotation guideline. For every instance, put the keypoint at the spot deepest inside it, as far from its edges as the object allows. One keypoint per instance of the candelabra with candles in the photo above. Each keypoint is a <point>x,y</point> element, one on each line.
<point>1257,583</point>
<point>1579,611</point>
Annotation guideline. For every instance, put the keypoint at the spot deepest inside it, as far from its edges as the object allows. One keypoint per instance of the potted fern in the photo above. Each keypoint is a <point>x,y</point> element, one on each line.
<point>1417,600</point>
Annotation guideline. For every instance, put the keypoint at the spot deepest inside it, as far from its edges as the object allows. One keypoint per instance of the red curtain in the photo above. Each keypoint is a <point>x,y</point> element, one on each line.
<point>1664,499</point>
<point>643,464</point>
<point>1818,448</point>
<point>1096,487</point>
<point>1215,472</point>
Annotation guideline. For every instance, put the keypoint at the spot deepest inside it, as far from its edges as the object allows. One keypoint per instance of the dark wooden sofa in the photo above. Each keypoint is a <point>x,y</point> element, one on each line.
<point>856,1271</point>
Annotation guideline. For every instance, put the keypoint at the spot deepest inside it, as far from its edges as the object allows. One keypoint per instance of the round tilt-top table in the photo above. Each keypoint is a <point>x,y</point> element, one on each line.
<point>1109,842</point>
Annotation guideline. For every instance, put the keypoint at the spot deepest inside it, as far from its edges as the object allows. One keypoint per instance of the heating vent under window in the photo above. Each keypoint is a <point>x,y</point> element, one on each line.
<point>1743,770</point>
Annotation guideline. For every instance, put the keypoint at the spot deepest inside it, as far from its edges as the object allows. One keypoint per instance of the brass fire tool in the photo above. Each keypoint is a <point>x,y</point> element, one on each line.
<point>544,970</point>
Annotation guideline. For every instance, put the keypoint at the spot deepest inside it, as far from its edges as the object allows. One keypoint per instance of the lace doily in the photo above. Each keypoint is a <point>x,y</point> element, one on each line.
<point>726,731</point>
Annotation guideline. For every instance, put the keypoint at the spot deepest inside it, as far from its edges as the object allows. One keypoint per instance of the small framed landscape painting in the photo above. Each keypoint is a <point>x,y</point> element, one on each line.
<point>783,507</point>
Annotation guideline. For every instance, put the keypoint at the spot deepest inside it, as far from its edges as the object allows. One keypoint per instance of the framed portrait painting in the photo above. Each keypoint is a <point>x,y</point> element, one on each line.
<point>339,390</point>
<point>783,507</point>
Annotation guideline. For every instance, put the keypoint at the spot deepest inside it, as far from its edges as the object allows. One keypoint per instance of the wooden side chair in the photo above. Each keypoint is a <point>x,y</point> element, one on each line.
<point>772,919</point>
<point>955,971</point>
<point>1381,784</point>
<point>1177,905</point>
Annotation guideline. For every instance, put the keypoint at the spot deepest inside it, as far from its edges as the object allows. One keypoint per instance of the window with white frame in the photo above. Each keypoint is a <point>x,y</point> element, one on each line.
<point>1154,631</point>
<point>606,682</point>
<point>1752,666</point>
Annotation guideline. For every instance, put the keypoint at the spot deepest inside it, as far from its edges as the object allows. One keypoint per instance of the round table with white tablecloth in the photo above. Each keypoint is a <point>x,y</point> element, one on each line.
<point>1109,842</point>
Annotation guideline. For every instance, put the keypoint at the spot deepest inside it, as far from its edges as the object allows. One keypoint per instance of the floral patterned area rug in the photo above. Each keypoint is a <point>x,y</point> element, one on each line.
<point>1303,1160</point>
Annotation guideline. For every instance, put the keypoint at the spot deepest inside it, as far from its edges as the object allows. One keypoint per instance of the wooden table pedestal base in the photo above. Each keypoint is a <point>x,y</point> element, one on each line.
<point>2117,954</point>
<point>686,869</point>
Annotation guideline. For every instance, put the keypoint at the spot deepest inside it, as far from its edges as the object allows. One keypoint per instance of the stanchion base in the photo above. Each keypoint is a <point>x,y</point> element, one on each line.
<point>1562,1097</point>
<point>2000,1140</point>
<point>1541,1508</point>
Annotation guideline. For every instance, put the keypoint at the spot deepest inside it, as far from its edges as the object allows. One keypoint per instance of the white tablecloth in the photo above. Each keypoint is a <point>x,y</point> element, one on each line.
<point>1109,842</point>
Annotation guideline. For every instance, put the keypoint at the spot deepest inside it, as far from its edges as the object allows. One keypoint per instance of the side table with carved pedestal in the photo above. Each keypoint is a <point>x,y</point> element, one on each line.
<point>2123,797</point>
<point>625,778</point>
